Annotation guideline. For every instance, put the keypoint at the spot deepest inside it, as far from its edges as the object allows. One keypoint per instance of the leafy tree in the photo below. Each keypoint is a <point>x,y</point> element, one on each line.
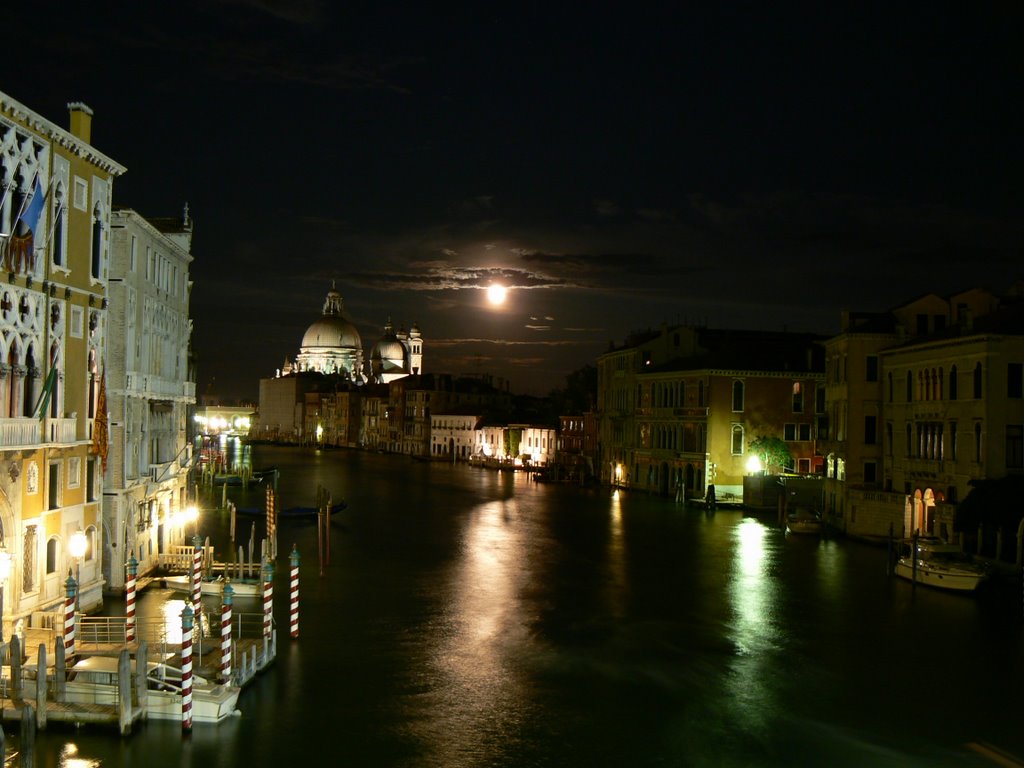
<point>773,452</point>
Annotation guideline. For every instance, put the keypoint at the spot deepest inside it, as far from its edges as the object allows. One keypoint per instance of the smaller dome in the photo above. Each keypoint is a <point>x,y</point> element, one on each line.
<point>389,350</point>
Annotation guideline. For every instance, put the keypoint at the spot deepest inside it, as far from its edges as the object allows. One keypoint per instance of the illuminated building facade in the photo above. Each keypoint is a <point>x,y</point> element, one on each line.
<point>925,399</point>
<point>150,388</point>
<point>55,208</point>
<point>680,406</point>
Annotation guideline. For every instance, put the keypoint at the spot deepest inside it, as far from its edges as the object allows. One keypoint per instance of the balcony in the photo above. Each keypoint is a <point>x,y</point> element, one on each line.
<point>156,386</point>
<point>20,432</point>
<point>63,431</point>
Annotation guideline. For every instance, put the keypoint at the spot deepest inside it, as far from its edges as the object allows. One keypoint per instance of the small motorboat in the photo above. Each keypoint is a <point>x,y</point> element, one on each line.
<point>804,520</point>
<point>940,564</point>
<point>93,680</point>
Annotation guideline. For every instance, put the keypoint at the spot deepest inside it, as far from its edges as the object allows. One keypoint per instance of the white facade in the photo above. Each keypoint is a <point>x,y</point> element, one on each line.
<point>453,435</point>
<point>150,390</point>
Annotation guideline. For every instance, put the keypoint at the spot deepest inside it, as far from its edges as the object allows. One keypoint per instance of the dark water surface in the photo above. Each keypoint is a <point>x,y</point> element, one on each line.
<point>473,618</point>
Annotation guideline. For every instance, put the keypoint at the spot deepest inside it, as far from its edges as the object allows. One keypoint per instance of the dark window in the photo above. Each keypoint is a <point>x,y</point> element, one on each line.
<point>910,387</point>
<point>798,397</point>
<point>977,381</point>
<point>872,368</point>
<point>952,383</point>
<point>789,432</point>
<point>889,376</point>
<point>1014,446</point>
<point>737,439</point>
<point>51,556</point>
<point>53,487</point>
<point>870,428</point>
<point>1015,380</point>
<point>737,395</point>
<point>869,472</point>
<point>952,440</point>
<point>922,325</point>
<point>805,432</point>
<point>819,400</point>
<point>977,441</point>
<point>90,480</point>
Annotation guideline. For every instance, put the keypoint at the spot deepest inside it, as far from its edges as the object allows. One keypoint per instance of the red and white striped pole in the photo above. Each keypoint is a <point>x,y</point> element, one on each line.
<point>187,622</point>
<point>197,577</point>
<point>129,599</point>
<point>225,634</point>
<point>295,592</point>
<point>70,617</point>
<point>268,597</point>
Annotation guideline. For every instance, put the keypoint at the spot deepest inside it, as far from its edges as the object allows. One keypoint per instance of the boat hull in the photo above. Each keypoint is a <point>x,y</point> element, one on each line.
<point>953,579</point>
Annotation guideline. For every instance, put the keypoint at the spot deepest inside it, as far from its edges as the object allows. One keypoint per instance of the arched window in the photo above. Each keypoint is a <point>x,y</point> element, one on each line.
<point>52,550</point>
<point>952,383</point>
<point>60,211</point>
<point>737,439</point>
<point>890,386</point>
<point>910,387</point>
<point>977,441</point>
<point>737,395</point>
<point>977,381</point>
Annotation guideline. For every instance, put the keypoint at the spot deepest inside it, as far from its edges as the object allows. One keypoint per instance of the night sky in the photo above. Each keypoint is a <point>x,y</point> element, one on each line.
<point>616,169</point>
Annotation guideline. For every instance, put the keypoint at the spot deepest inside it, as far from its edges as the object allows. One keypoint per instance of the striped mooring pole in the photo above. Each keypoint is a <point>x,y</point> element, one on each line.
<point>129,599</point>
<point>70,617</point>
<point>295,592</point>
<point>268,598</point>
<point>187,622</point>
<point>197,576</point>
<point>225,634</point>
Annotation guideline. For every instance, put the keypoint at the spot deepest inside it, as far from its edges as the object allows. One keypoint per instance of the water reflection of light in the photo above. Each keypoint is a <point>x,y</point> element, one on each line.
<point>481,642</point>
<point>69,758</point>
<point>753,631</point>
<point>616,559</point>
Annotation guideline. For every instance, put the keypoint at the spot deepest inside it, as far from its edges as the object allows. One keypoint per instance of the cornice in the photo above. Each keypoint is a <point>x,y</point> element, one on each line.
<point>18,112</point>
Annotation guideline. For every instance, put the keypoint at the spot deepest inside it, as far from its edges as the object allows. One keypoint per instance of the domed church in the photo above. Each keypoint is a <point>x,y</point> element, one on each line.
<point>396,354</point>
<point>332,344</point>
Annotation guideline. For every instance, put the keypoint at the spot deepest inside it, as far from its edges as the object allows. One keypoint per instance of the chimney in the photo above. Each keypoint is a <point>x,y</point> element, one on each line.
<point>81,121</point>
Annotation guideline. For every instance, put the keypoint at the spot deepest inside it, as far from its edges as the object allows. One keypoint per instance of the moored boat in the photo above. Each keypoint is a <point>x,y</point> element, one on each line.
<point>940,564</point>
<point>803,520</point>
<point>93,680</point>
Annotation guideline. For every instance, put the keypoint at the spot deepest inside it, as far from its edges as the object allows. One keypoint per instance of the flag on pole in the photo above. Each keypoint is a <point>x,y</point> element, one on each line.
<point>21,244</point>
<point>44,397</point>
<point>100,443</point>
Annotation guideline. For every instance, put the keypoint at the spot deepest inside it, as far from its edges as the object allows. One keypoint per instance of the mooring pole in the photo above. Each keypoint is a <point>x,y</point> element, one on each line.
<point>187,621</point>
<point>295,592</point>
<point>129,599</point>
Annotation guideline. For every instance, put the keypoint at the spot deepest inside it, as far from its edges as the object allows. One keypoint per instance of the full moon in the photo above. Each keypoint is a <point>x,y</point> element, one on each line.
<point>496,294</point>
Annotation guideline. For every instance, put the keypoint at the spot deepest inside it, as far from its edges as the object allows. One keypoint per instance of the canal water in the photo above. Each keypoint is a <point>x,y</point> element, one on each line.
<point>473,618</point>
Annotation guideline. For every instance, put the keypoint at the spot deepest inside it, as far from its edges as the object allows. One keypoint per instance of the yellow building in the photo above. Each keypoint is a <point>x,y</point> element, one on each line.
<point>679,407</point>
<point>55,222</point>
<point>924,399</point>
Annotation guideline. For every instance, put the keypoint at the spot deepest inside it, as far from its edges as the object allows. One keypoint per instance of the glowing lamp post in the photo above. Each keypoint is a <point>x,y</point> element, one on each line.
<point>191,516</point>
<point>77,546</point>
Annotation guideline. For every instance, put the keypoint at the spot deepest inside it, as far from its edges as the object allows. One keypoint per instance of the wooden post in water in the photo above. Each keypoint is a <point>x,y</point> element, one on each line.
<point>129,600</point>
<point>889,560</point>
<point>16,672</point>
<point>41,688</point>
<point>197,576</point>
<point>124,692</point>
<point>913,559</point>
<point>295,592</point>
<point>186,669</point>
<point>70,617</point>
<point>60,672</point>
<point>224,496</point>
<point>225,634</point>
<point>320,537</point>
<point>141,673</point>
<point>268,597</point>
<point>28,736</point>
<point>327,529</point>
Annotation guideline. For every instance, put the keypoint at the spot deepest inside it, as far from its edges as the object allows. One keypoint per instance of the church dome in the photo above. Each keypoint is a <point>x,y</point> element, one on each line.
<point>390,350</point>
<point>332,330</point>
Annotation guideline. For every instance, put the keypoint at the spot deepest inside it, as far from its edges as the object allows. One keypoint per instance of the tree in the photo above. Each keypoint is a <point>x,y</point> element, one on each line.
<point>773,452</point>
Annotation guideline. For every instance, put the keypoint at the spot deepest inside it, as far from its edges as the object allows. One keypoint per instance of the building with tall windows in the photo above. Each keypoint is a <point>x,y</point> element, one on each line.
<point>678,408</point>
<point>925,399</point>
<point>55,205</point>
<point>150,390</point>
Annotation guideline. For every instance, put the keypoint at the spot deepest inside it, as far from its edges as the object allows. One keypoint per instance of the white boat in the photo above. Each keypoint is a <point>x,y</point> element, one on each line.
<point>940,564</point>
<point>93,680</point>
<point>240,587</point>
<point>804,520</point>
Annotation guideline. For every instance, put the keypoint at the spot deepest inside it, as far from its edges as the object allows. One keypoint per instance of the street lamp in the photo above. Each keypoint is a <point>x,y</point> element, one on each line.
<point>191,516</point>
<point>77,546</point>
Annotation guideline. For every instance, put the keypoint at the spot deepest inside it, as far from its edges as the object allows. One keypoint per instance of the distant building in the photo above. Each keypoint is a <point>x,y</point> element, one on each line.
<point>151,391</point>
<point>680,406</point>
